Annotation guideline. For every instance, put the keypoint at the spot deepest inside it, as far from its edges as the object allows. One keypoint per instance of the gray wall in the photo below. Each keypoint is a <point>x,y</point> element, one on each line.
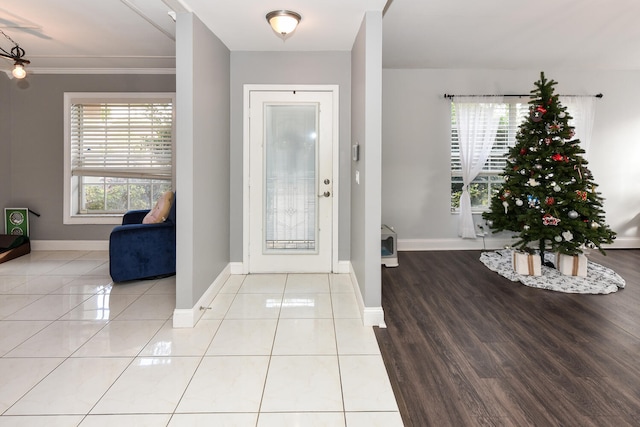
<point>36,145</point>
<point>366,62</point>
<point>416,142</point>
<point>289,68</point>
<point>202,157</point>
<point>5,144</point>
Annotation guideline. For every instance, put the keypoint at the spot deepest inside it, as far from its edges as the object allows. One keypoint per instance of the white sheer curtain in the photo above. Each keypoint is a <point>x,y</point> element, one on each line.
<point>583,111</point>
<point>477,119</point>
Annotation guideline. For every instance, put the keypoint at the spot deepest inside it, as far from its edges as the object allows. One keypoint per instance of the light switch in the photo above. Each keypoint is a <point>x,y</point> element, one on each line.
<point>357,177</point>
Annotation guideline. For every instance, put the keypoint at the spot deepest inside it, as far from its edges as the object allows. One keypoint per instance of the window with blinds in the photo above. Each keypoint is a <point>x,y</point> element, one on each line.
<point>127,140</point>
<point>512,115</point>
<point>119,151</point>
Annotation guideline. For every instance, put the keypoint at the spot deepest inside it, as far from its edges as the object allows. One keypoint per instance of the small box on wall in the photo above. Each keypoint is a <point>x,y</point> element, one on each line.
<point>16,221</point>
<point>527,264</point>
<point>572,265</point>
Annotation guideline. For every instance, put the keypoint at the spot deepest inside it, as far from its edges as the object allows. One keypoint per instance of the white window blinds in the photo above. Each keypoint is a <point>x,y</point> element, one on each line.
<point>122,139</point>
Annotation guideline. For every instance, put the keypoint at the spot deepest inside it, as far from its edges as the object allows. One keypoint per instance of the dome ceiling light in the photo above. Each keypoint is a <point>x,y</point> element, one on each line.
<point>283,22</point>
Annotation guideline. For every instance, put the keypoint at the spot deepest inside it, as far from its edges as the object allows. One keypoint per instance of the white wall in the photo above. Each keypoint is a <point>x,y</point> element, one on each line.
<point>416,139</point>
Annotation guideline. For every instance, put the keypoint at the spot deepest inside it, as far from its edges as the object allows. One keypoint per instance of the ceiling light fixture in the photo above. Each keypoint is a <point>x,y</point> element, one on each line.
<point>283,22</point>
<point>16,54</point>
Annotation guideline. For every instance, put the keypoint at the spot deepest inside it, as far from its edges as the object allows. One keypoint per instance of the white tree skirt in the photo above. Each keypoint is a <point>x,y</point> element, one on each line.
<point>599,280</point>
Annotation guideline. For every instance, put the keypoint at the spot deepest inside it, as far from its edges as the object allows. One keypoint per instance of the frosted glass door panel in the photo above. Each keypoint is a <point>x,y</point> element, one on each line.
<point>290,176</point>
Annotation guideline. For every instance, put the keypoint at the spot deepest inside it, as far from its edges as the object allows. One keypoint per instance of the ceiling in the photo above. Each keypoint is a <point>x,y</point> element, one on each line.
<point>94,35</point>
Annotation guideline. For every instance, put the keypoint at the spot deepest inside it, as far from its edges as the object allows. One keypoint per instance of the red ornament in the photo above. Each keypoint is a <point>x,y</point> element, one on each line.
<point>523,151</point>
<point>548,219</point>
<point>547,141</point>
<point>582,195</point>
<point>558,157</point>
<point>550,201</point>
<point>541,109</point>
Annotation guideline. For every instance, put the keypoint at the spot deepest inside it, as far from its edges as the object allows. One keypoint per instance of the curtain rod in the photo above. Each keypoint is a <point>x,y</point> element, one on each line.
<point>446,95</point>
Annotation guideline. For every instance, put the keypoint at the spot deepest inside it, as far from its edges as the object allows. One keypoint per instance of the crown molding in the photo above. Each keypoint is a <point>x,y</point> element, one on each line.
<point>35,70</point>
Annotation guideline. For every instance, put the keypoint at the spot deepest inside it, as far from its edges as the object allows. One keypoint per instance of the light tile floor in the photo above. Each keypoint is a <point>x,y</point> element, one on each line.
<point>271,350</point>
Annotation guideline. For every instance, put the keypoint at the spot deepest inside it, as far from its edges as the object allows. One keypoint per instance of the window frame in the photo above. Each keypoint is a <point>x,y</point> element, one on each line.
<point>70,193</point>
<point>492,176</point>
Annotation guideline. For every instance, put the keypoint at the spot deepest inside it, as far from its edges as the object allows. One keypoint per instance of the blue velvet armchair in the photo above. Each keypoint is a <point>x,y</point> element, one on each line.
<point>142,251</point>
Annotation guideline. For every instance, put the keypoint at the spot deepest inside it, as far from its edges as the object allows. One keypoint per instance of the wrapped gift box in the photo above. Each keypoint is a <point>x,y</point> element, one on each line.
<point>572,265</point>
<point>526,264</point>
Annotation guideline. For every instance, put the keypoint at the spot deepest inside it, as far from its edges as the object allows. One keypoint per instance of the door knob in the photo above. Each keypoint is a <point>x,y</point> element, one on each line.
<point>325,194</point>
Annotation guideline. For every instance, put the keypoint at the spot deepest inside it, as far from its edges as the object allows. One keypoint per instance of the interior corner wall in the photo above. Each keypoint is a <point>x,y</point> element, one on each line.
<point>366,119</point>
<point>5,144</point>
<point>416,146</point>
<point>308,68</point>
<point>202,159</point>
<point>36,139</point>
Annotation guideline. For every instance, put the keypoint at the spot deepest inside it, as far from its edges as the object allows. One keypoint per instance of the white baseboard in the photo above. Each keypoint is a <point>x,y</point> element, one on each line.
<point>371,316</point>
<point>459,244</point>
<point>237,267</point>
<point>69,245</point>
<point>624,243</point>
<point>344,267</point>
<point>187,318</point>
<point>452,244</point>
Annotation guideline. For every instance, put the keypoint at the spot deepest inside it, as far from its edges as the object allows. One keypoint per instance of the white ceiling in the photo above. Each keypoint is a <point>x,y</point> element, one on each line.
<point>507,34</point>
<point>512,34</point>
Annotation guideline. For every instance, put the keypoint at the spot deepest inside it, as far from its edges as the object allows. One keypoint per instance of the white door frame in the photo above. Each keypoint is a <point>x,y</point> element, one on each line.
<point>248,88</point>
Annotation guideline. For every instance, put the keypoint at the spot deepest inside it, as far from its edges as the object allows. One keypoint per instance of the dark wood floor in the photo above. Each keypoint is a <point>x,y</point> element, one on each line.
<point>466,347</point>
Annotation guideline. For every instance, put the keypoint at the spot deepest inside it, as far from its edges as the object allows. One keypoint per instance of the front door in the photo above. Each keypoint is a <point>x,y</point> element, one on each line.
<point>290,181</point>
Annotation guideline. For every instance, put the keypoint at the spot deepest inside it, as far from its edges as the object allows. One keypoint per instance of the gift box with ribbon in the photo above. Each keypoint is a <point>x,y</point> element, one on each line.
<point>527,264</point>
<point>572,265</point>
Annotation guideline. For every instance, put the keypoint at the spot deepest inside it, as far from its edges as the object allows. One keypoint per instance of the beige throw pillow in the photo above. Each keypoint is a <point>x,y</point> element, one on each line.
<point>161,210</point>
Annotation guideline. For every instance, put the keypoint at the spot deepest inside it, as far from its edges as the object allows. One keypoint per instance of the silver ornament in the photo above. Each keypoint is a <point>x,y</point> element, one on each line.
<point>556,188</point>
<point>558,238</point>
<point>490,223</point>
<point>595,225</point>
<point>519,202</point>
<point>526,228</point>
<point>572,214</point>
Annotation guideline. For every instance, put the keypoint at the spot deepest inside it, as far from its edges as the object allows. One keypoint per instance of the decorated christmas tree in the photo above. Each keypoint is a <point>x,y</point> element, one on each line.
<point>548,196</point>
